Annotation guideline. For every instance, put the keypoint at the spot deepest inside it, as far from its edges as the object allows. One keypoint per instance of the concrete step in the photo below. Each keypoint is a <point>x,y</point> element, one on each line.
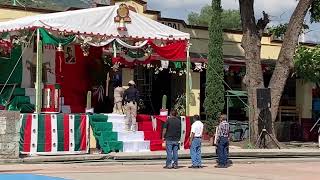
<point>131,136</point>
<point>115,117</point>
<point>30,92</point>
<point>118,126</point>
<point>136,146</point>
<point>66,109</point>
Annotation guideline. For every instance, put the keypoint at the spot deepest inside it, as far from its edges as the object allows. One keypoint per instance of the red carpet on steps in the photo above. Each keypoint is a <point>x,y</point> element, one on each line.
<point>145,125</point>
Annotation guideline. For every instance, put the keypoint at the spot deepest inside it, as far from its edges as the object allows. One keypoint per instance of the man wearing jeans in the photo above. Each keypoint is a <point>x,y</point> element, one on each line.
<point>171,134</point>
<point>195,139</point>
<point>223,142</point>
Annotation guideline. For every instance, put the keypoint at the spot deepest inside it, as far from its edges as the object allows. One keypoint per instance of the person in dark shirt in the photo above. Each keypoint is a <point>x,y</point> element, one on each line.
<point>171,135</point>
<point>131,98</point>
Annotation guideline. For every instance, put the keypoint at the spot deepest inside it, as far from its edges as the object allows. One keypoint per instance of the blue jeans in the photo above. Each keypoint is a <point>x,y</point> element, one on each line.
<point>195,152</point>
<point>223,144</point>
<point>172,148</point>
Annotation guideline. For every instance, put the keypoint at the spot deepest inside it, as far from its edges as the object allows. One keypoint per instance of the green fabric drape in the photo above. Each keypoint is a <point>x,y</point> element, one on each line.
<point>177,65</point>
<point>7,65</point>
<point>50,39</point>
<point>4,35</point>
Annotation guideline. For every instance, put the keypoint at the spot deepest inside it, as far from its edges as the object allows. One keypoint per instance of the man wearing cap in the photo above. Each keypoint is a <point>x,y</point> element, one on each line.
<point>130,98</point>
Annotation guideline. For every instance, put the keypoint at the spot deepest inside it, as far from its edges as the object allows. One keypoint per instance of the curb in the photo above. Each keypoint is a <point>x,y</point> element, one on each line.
<point>132,157</point>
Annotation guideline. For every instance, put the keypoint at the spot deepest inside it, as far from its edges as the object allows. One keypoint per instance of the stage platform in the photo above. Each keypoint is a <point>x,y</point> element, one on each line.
<point>58,134</point>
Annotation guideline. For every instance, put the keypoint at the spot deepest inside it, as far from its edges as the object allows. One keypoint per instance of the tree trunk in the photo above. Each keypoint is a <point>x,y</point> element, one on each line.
<point>285,59</point>
<point>251,43</point>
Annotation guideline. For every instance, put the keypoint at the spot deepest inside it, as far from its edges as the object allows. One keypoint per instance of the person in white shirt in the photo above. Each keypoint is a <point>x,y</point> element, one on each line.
<point>195,139</point>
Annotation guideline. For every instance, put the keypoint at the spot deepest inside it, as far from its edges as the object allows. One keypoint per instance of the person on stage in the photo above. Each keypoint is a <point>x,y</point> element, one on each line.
<point>118,98</point>
<point>131,99</point>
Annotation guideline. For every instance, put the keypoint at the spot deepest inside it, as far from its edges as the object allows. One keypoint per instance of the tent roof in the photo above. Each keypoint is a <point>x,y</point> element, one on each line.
<point>237,93</point>
<point>97,21</point>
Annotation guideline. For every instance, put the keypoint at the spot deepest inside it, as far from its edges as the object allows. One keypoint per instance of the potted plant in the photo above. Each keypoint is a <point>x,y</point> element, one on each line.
<point>164,110</point>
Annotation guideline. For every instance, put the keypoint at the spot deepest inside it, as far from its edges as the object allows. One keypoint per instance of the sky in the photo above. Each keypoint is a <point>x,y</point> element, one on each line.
<point>181,8</point>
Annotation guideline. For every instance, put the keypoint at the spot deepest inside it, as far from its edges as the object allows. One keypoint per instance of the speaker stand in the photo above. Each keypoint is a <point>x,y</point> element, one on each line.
<point>262,139</point>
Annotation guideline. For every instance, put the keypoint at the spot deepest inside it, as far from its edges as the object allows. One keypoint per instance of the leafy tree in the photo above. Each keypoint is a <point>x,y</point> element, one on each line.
<point>251,43</point>
<point>307,64</point>
<point>214,101</point>
<point>279,30</point>
<point>230,19</point>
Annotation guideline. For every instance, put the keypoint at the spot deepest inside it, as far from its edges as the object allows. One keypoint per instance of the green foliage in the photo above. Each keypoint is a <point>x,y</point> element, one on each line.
<point>315,11</point>
<point>49,4</point>
<point>279,30</point>
<point>180,105</point>
<point>230,18</point>
<point>307,63</point>
<point>214,101</point>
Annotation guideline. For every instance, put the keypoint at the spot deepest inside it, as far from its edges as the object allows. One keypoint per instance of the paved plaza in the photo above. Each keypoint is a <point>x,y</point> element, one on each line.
<point>97,171</point>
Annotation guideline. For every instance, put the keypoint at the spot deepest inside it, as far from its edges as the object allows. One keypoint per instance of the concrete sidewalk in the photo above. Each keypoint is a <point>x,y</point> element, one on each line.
<point>207,152</point>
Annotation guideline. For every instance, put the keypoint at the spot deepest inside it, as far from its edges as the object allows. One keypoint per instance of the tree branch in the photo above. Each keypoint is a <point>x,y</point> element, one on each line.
<point>262,23</point>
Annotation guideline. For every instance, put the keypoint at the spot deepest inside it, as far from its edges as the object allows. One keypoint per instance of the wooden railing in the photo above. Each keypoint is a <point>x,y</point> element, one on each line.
<point>289,111</point>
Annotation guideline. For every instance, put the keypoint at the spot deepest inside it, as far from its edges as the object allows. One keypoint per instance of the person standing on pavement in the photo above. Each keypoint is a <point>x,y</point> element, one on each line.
<point>131,99</point>
<point>195,139</point>
<point>171,135</point>
<point>223,141</point>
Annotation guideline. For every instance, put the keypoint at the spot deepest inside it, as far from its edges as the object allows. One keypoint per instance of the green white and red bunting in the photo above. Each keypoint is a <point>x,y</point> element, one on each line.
<point>54,134</point>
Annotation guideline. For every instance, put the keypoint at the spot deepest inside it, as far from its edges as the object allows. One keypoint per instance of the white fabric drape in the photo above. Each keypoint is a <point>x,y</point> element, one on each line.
<point>96,44</point>
<point>27,62</point>
<point>97,21</point>
<point>49,60</point>
<point>124,44</point>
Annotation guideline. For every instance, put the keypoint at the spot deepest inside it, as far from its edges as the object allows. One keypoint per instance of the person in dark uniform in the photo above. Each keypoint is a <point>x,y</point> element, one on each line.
<point>171,135</point>
<point>131,98</point>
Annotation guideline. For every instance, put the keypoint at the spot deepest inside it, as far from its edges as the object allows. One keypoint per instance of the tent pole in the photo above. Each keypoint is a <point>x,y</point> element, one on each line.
<point>38,74</point>
<point>188,81</point>
<point>228,107</point>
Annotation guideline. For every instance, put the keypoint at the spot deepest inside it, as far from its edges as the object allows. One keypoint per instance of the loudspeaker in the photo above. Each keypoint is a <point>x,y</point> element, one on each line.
<point>263,98</point>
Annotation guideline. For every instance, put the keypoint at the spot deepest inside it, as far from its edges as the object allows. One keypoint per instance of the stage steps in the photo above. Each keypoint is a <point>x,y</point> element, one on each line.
<point>23,100</point>
<point>132,141</point>
<point>110,128</point>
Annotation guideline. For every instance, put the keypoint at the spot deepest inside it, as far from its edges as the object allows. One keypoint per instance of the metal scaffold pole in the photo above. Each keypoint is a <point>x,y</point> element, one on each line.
<point>188,89</point>
<point>39,74</point>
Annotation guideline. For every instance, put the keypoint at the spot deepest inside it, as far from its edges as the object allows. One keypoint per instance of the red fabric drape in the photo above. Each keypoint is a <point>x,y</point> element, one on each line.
<point>75,82</point>
<point>175,51</point>
<point>94,64</point>
<point>132,64</point>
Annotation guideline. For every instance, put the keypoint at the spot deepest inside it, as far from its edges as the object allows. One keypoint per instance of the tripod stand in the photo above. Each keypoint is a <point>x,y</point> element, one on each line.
<point>262,139</point>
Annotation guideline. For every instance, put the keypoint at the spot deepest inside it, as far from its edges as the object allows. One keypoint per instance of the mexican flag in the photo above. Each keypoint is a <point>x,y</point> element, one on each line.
<point>54,134</point>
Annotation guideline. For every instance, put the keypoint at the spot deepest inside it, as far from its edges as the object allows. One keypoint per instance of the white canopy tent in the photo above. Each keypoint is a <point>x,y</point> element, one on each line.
<point>97,22</point>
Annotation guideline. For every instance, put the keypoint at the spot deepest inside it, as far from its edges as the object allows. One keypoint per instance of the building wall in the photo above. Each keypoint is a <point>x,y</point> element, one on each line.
<point>10,14</point>
<point>304,98</point>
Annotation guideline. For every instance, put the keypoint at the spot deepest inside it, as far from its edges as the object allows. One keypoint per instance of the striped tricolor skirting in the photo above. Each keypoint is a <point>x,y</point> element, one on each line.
<point>46,134</point>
